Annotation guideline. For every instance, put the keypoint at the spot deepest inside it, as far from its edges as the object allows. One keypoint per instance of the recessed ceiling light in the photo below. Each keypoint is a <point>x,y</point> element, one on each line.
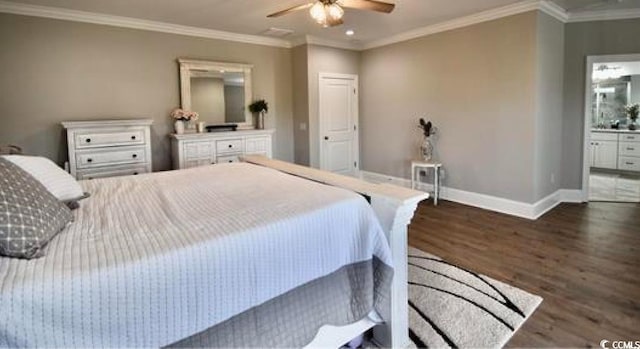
<point>350,32</point>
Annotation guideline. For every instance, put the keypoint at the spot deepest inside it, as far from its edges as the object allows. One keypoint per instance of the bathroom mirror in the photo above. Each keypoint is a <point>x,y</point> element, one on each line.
<point>219,92</point>
<point>614,86</point>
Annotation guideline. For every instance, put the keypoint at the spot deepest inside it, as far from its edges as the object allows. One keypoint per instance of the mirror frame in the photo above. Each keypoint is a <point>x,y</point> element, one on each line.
<point>189,65</point>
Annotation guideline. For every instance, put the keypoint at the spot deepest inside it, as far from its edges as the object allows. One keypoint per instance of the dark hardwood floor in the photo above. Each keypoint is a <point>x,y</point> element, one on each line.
<point>583,259</point>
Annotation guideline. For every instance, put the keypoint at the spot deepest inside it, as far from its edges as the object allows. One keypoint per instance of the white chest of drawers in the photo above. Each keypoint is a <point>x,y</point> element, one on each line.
<point>199,149</point>
<point>109,148</point>
<point>629,151</point>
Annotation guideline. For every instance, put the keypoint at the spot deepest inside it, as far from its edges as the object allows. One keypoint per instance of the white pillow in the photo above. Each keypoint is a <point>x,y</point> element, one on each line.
<point>57,181</point>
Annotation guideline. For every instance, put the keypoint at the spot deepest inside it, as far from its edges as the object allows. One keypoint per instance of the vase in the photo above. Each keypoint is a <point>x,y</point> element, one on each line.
<point>426,149</point>
<point>260,120</point>
<point>632,125</point>
<point>179,127</point>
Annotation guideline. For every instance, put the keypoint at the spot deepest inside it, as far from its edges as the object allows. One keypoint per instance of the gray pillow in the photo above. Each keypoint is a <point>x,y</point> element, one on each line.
<point>30,216</point>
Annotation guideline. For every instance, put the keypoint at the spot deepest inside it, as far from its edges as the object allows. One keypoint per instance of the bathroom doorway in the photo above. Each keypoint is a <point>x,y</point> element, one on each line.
<point>612,131</point>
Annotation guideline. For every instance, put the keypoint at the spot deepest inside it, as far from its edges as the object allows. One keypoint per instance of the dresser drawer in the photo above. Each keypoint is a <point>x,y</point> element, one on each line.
<point>628,163</point>
<point>256,145</point>
<point>109,138</point>
<point>197,150</point>
<point>629,149</point>
<point>227,159</point>
<point>115,157</point>
<point>625,137</point>
<point>604,136</point>
<point>229,146</point>
<point>196,163</point>
<point>110,172</point>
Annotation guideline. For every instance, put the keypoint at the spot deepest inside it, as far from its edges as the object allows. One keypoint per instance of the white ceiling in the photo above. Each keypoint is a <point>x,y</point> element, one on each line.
<point>576,6</point>
<point>249,16</point>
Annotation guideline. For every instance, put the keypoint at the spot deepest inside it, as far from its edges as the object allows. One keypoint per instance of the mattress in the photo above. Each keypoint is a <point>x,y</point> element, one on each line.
<point>153,259</point>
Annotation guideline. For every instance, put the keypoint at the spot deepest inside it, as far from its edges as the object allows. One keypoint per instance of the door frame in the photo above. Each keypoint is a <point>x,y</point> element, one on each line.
<point>586,150</point>
<point>356,119</point>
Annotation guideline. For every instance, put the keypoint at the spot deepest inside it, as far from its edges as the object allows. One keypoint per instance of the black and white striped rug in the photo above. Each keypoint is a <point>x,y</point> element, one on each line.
<point>453,307</point>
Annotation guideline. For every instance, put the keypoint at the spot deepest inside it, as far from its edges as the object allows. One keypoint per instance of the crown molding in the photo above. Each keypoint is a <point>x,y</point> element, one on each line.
<point>314,40</point>
<point>553,10</point>
<point>480,17</point>
<point>605,15</point>
<point>545,6</point>
<point>134,23</point>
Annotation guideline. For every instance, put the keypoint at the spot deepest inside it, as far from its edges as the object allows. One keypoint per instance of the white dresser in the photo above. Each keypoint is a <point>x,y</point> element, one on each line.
<point>109,148</point>
<point>629,151</point>
<point>615,149</point>
<point>199,149</point>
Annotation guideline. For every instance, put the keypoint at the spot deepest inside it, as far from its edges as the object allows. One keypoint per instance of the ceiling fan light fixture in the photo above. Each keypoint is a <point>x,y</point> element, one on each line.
<point>325,13</point>
<point>335,11</point>
<point>318,12</point>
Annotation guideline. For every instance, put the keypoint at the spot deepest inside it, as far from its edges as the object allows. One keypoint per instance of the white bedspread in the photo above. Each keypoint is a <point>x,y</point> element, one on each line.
<point>156,258</point>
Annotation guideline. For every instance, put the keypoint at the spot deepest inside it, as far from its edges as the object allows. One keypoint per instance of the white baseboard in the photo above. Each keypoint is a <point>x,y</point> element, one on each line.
<point>487,202</point>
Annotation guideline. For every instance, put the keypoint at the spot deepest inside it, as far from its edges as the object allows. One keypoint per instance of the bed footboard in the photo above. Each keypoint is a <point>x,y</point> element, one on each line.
<point>394,206</point>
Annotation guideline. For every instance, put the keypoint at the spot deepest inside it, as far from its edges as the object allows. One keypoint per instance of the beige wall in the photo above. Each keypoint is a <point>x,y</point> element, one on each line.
<point>308,62</point>
<point>322,59</point>
<point>477,85</point>
<point>58,70</point>
<point>582,40</point>
<point>301,104</point>
<point>549,82</point>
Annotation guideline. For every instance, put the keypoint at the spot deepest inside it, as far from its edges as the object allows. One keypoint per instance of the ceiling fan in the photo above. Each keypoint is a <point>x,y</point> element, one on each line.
<point>329,13</point>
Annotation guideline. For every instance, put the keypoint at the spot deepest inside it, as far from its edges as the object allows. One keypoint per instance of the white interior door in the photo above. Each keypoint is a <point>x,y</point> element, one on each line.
<point>338,104</point>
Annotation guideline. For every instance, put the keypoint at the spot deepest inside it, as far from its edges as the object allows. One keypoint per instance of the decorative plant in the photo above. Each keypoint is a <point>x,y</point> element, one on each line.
<point>184,115</point>
<point>259,106</point>
<point>632,110</point>
<point>427,128</point>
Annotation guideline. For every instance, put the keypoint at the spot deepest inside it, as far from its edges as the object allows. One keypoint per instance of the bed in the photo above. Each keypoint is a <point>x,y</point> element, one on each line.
<point>261,253</point>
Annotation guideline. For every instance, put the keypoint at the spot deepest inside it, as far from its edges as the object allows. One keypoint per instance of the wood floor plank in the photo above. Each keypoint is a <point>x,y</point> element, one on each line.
<point>583,259</point>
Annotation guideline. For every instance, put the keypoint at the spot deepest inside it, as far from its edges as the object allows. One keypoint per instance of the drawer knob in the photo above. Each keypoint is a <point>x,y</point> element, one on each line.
<point>89,160</point>
<point>230,160</point>
<point>88,140</point>
<point>631,148</point>
<point>135,173</point>
<point>134,156</point>
<point>230,146</point>
<point>133,138</point>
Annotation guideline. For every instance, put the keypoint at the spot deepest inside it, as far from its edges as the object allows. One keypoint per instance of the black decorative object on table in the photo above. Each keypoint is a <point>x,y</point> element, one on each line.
<point>427,128</point>
<point>426,147</point>
<point>222,128</point>
<point>259,108</point>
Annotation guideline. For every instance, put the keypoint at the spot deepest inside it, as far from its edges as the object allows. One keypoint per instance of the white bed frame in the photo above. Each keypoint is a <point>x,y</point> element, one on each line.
<point>394,206</point>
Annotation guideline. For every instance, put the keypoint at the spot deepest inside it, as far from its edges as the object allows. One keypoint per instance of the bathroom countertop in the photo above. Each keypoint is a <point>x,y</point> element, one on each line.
<point>611,130</point>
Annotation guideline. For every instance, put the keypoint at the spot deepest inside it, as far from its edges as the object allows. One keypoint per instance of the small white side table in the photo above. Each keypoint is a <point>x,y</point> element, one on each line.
<point>416,166</point>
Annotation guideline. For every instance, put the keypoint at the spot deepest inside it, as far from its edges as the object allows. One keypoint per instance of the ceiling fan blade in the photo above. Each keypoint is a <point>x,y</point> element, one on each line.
<point>289,10</point>
<point>372,5</point>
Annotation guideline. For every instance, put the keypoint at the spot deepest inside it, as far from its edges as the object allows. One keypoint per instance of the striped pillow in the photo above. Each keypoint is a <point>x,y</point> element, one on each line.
<point>57,181</point>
